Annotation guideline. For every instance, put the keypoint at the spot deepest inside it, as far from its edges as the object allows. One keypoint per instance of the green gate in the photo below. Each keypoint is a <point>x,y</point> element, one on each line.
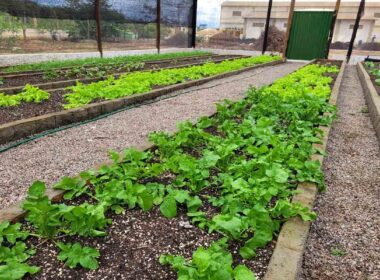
<point>309,35</point>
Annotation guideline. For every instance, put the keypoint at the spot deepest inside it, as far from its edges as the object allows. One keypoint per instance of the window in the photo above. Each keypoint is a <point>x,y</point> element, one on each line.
<point>352,26</point>
<point>258,24</point>
<point>377,15</point>
<point>236,13</point>
<point>285,25</point>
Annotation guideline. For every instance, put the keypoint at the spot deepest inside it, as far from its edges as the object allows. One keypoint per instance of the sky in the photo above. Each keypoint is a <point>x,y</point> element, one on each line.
<point>209,10</point>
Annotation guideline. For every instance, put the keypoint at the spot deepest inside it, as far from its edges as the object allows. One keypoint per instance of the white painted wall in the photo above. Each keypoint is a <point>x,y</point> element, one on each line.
<point>343,32</point>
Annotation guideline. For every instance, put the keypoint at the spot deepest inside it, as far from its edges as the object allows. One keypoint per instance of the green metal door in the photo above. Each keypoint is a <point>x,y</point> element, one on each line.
<point>309,34</point>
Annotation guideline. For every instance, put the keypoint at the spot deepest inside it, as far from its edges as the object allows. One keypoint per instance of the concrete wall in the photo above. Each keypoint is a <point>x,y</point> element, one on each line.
<point>256,11</point>
<point>343,31</point>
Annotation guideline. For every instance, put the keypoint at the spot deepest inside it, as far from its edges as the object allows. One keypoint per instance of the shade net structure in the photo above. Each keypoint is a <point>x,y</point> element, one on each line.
<point>46,25</point>
<point>79,25</point>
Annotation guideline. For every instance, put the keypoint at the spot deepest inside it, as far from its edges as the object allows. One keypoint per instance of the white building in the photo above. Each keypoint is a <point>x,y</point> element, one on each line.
<point>249,17</point>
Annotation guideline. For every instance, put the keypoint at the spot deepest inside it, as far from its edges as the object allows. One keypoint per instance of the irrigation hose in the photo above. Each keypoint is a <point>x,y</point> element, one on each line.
<point>147,102</point>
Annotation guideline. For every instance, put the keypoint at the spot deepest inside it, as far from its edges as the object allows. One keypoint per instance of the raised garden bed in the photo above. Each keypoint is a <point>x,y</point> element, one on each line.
<point>373,70</point>
<point>69,76</point>
<point>93,61</point>
<point>369,74</point>
<point>232,173</point>
<point>31,117</point>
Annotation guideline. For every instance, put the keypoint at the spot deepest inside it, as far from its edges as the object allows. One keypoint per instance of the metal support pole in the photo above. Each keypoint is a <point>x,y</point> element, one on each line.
<point>98,28</point>
<point>355,30</point>
<point>265,43</point>
<point>194,24</point>
<point>158,26</point>
<point>332,27</point>
<point>288,27</point>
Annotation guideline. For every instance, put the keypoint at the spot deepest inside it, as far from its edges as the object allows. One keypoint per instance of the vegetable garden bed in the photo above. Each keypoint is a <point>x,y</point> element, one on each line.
<point>373,70</point>
<point>36,115</point>
<point>232,174</point>
<point>49,79</point>
<point>369,74</point>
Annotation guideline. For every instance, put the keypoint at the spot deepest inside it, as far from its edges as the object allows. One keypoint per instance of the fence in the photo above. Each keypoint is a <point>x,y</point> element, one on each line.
<point>89,25</point>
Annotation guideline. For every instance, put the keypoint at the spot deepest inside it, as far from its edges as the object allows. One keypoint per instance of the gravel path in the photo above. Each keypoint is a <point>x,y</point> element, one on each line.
<point>71,151</point>
<point>344,242</point>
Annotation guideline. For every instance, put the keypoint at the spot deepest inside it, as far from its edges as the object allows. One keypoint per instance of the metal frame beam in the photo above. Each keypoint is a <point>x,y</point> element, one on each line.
<point>158,26</point>
<point>332,27</point>
<point>269,12</point>
<point>355,29</point>
<point>98,27</point>
<point>194,24</point>
<point>288,27</point>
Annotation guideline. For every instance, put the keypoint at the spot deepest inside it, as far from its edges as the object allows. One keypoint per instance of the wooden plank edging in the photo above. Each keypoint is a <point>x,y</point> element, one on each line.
<point>286,260</point>
<point>372,98</point>
<point>26,127</point>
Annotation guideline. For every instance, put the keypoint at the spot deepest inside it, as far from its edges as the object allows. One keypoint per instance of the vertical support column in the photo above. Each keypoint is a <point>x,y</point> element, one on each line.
<point>194,24</point>
<point>158,26</point>
<point>332,27</point>
<point>269,12</point>
<point>98,28</point>
<point>288,27</point>
<point>355,30</point>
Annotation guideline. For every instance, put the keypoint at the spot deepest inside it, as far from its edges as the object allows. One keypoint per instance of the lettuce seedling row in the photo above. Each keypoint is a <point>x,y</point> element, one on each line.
<point>91,61</point>
<point>129,84</point>
<point>231,175</point>
<point>14,83</point>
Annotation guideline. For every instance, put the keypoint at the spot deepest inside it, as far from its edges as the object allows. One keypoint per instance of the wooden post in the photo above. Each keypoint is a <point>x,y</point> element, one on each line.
<point>194,24</point>
<point>98,27</point>
<point>158,26</point>
<point>355,29</point>
<point>265,43</point>
<point>288,27</point>
<point>332,27</point>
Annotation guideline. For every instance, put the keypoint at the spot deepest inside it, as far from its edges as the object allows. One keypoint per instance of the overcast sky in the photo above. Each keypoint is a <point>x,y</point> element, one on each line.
<point>209,10</point>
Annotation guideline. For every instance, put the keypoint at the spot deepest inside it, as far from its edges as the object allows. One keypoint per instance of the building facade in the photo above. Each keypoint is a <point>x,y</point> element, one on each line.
<point>249,18</point>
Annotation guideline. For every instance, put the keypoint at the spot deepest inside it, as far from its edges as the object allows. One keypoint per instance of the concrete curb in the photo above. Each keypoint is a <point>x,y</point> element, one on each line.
<point>286,260</point>
<point>372,98</point>
<point>23,128</point>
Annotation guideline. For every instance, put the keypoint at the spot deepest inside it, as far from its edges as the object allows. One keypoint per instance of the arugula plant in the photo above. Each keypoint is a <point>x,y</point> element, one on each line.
<point>213,263</point>
<point>74,255</point>
<point>14,252</point>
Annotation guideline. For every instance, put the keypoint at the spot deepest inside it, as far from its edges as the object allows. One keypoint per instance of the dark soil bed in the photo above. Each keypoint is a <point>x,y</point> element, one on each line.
<point>133,246</point>
<point>29,110</point>
<point>37,78</point>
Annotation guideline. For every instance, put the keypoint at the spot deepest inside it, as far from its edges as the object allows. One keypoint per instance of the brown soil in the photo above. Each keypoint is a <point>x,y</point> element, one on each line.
<point>29,110</point>
<point>133,246</point>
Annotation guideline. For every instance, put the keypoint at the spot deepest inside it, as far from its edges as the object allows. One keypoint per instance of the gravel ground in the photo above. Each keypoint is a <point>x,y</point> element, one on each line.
<point>71,151</point>
<point>344,242</point>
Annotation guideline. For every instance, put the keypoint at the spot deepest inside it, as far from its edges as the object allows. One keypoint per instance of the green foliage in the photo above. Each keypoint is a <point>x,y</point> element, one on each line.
<point>29,94</point>
<point>213,263</point>
<point>14,252</point>
<point>97,61</point>
<point>140,82</point>
<point>245,162</point>
<point>336,251</point>
<point>374,69</point>
<point>92,71</point>
<point>75,254</point>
